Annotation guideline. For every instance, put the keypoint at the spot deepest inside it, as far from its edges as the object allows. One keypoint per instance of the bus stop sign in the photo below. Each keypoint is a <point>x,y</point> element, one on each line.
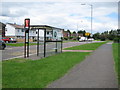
<point>27,23</point>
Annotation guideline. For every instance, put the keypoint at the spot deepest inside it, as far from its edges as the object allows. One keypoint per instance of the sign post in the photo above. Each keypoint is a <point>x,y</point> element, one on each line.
<point>26,44</point>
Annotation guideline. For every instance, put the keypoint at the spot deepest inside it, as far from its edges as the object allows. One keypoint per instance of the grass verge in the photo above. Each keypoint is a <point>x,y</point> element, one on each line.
<point>19,44</point>
<point>23,73</point>
<point>116,52</point>
<point>66,41</point>
<point>89,46</point>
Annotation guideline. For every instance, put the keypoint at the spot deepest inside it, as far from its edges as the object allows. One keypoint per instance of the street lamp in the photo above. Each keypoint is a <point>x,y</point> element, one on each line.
<point>91,14</point>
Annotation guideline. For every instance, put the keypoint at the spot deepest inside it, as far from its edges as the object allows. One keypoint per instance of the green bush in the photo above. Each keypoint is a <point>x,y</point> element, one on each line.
<point>74,38</point>
<point>71,37</point>
<point>78,38</point>
<point>116,40</point>
<point>65,38</point>
<point>102,39</point>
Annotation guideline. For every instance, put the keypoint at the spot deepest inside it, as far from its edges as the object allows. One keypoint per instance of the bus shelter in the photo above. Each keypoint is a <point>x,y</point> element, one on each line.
<point>49,40</point>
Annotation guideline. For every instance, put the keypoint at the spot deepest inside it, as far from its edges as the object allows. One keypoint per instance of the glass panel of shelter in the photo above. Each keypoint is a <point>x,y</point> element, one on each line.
<point>46,41</point>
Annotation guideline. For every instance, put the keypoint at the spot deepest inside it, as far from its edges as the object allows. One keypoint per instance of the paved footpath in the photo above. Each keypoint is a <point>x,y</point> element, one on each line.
<point>96,71</point>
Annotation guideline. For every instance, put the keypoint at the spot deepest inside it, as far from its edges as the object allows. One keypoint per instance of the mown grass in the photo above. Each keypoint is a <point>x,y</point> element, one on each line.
<point>24,73</point>
<point>0,74</point>
<point>19,44</point>
<point>116,54</point>
<point>88,46</point>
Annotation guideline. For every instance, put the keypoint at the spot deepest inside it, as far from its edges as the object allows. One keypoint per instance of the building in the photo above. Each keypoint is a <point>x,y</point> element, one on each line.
<point>2,29</point>
<point>74,34</point>
<point>66,34</point>
<point>79,34</point>
<point>18,32</point>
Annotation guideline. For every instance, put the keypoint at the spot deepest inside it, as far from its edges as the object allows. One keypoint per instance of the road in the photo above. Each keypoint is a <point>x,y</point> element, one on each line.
<point>15,52</point>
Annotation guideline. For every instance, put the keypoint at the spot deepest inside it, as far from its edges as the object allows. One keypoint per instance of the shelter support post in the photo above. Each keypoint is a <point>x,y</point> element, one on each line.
<point>56,47</point>
<point>38,43</point>
<point>44,42</point>
<point>61,46</point>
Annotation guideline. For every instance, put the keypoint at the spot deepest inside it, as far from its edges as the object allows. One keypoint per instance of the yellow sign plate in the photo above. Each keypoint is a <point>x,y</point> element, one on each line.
<point>87,34</point>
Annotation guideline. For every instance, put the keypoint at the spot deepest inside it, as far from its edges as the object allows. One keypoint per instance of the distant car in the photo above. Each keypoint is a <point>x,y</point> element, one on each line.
<point>2,45</point>
<point>6,40</point>
<point>82,39</point>
<point>13,40</point>
<point>90,39</point>
<point>9,40</point>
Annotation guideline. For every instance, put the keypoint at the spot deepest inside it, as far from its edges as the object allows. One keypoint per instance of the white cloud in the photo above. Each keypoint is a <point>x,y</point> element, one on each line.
<point>63,15</point>
<point>61,1</point>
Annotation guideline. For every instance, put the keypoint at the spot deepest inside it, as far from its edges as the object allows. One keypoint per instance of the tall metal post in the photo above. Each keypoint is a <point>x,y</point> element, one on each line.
<point>26,44</point>
<point>25,47</point>
<point>44,42</point>
<point>91,15</point>
<point>91,18</point>
<point>61,46</point>
<point>56,47</point>
<point>38,43</point>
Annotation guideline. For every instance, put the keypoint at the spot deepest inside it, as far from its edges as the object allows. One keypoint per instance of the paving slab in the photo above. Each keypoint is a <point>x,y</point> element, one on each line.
<point>96,71</point>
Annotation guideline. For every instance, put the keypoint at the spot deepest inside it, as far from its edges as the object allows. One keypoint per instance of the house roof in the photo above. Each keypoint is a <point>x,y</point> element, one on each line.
<point>16,26</point>
<point>43,27</point>
<point>2,24</point>
<point>35,26</point>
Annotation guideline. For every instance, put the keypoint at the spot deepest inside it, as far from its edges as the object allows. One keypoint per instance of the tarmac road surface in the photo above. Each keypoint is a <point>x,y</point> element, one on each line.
<point>16,52</point>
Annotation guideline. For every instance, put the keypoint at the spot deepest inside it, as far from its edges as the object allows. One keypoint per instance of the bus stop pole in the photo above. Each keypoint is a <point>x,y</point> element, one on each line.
<point>28,45</point>
<point>61,46</point>
<point>56,47</point>
<point>38,43</point>
<point>44,42</point>
<point>26,28</point>
<point>25,47</point>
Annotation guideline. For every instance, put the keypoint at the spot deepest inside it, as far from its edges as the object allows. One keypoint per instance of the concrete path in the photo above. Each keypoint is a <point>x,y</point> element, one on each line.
<point>96,71</point>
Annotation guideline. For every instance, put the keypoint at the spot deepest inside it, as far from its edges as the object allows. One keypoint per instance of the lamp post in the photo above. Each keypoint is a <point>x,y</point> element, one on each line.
<point>91,15</point>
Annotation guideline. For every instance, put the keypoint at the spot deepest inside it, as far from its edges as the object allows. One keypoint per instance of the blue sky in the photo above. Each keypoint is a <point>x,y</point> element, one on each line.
<point>66,15</point>
<point>113,15</point>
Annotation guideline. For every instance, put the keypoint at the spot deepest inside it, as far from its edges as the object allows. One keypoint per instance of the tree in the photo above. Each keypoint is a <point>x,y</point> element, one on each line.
<point>106,35</point>
<point>96,36</point>
<point>74,32</point>
<point>82,32</point>
<point>112,34</point>
<point>68,31</point>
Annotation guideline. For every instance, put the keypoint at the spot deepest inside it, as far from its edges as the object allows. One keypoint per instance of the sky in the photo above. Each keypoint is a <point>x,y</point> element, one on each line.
<point>65,14</point>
